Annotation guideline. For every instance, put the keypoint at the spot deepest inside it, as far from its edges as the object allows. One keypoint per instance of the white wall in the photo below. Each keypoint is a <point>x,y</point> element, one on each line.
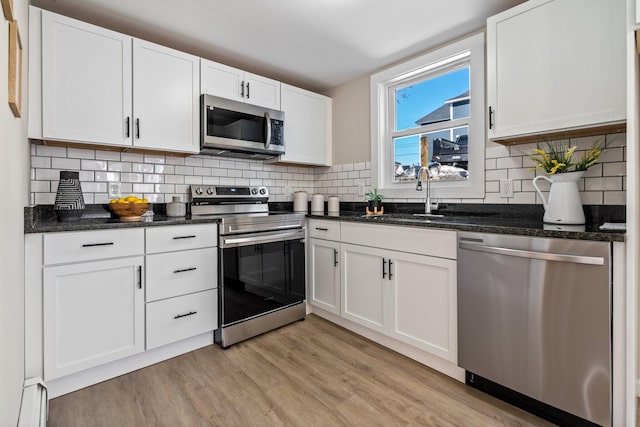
<point>351,122</point>
<point>14,179</point>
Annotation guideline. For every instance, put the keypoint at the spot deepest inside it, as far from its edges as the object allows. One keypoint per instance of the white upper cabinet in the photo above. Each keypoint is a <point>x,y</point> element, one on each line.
<point>307,128</point>
<point>86,82</point>
<point>95,86</point>
<point>232,83</point>
<point>556,65</point>
<point>165,98</point>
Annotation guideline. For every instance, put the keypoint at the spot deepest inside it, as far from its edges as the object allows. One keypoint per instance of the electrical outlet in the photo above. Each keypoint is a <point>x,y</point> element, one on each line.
<point>114,190</point>
<point>361,190</point>
<point>506,188</point>
<point>288,191</point>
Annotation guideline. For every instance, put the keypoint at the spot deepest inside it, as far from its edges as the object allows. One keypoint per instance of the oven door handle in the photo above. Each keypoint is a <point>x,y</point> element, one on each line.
<point>246,240</point>
<point>254,229</point>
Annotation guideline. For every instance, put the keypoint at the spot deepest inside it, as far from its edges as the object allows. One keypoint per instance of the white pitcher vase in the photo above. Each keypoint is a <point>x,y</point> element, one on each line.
<point>563,205</point>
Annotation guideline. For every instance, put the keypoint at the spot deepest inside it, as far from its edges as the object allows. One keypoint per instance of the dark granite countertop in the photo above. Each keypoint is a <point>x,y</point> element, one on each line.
<point>486,224</point>
<point>517,219</point>
<point>42,219</point>
<point>523,220</point>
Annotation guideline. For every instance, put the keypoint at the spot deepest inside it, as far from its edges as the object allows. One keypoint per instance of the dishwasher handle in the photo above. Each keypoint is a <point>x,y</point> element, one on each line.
<point>545,256</point>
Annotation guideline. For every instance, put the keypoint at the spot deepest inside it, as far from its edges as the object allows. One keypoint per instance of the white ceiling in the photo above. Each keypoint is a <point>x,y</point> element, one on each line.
<point>316,44</point>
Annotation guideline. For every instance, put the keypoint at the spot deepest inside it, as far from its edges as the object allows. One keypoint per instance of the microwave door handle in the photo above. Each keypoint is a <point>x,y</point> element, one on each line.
<point>267,127</point>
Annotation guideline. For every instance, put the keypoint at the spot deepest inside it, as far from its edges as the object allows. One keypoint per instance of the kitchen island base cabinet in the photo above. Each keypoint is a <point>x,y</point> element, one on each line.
<point>93,314</point>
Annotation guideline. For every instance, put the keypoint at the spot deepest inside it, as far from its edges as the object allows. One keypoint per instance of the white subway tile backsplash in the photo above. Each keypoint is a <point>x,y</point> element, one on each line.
<point>155,159</point>
<point>93,187</point>
<point>521,173</point>
<point>108,155</point>
<point>41,162</point>
<point>40,186</point>
<point>132,177</point>
<point>614,169</point>
<point>508,162</point>
<point>153,178</point>
<point>65,164</point>
<point>160,177</point>
<point>107,176</point>
<point>51,151</point>
<point>615,197</point>
<point>184,170</point>
<point>96,165</point>
<point>603,184</point>
<point>193,161</point>
<point>177,161</point>
<point>47,174</point>
<point>591,197</point>
<point>143,188</point>
<point>495,175</point>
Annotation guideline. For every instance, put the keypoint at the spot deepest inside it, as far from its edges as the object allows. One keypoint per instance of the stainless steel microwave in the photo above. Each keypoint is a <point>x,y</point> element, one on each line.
<point>236,129</point>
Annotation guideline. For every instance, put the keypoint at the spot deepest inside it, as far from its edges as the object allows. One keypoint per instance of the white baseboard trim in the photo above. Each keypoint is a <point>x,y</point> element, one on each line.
<point>444,366</point>
<point>67,384</point>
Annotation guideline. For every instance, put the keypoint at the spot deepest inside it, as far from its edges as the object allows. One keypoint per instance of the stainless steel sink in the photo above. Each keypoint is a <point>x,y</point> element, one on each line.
<point>429,215</point>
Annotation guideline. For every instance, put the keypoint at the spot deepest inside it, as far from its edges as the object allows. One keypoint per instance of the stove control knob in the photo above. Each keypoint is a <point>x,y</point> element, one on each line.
<point>254,191</point>
<point>210,191</point>
<point>198,191</point>
<point>263,191</point>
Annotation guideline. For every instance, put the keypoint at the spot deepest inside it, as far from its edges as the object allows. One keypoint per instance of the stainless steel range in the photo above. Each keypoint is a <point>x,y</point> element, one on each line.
<point>261,258</point>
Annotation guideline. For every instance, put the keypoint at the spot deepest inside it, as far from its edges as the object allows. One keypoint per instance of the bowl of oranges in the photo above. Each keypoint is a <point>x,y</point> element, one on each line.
<point>129,208</point>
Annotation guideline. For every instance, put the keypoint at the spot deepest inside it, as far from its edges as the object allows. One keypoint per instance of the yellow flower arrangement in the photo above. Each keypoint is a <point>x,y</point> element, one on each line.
<point>558,159</point>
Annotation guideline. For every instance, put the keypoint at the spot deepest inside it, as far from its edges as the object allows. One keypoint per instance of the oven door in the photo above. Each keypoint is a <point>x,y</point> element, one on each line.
<point>260,273</point>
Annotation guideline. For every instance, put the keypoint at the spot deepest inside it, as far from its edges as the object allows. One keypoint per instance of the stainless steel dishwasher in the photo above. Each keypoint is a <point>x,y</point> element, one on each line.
<point>534,323</point>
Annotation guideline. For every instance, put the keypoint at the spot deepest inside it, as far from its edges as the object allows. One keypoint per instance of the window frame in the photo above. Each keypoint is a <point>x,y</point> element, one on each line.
<point>433,63</point>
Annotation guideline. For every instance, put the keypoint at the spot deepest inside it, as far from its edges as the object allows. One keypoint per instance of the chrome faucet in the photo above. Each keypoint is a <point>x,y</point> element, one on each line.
<point>427,201</point>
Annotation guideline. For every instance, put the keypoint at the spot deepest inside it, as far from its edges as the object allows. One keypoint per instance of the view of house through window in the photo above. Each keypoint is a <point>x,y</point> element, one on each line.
<point>431,126</point>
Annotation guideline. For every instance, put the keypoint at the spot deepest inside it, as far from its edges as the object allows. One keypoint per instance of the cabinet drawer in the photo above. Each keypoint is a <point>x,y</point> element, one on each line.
<point>181,237</point>
<point>177,273</point>
<point>177,318</point>
<point>92,245</point>
<point>323,229</point>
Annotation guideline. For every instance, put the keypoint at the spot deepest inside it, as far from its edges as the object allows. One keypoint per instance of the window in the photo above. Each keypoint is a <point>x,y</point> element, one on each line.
<point>430,110</point>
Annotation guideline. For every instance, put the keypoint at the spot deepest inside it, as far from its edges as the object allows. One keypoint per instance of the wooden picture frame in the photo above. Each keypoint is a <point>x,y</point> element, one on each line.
<point>7,9</point>
<point>15,69</point>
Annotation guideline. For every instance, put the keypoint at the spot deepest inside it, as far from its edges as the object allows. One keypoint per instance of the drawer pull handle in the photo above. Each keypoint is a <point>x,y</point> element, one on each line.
<point>335,258</point>
<point>191,313</point>
<point>139,277</point>
<point>322,229</point>
<point>184,270</point>
<point>184,237</point>
<point>88,245</point>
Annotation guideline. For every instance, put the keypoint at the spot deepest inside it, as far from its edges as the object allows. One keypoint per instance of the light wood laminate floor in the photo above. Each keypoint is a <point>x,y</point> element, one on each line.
<point>310,373</point>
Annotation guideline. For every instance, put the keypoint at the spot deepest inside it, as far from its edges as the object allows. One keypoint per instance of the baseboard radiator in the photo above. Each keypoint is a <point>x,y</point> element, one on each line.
<point>35,404</point>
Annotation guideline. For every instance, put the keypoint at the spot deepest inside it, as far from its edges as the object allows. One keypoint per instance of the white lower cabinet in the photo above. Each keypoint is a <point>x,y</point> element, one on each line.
<point>94,296</point>
<point>182,282</point>
<point>364,290</point>
<point>424,304</point>
<point>324,274</point>
<point>93,314</point>
<point>406,290</point>
<point>176,318</point>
